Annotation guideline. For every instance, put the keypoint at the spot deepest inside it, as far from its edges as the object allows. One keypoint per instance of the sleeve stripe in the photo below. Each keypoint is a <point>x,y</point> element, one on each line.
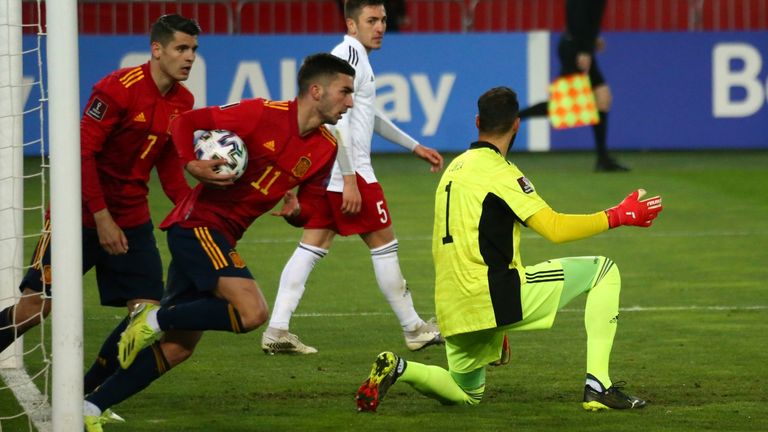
<point>352,57</point>
<point>211,248</point>
<point>326,133</point>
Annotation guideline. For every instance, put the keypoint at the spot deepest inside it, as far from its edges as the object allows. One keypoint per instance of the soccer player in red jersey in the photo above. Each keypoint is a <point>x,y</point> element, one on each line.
<point>124,135</point>
<point>209,285</point>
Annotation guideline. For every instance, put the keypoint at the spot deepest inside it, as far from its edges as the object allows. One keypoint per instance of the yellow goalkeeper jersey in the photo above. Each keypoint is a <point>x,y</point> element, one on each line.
<point>480,204</point>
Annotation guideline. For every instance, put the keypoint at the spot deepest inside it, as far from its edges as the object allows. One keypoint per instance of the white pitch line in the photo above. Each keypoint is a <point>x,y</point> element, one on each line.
<point>253,239</point>
<point>624,309</point>
<point>32,401</point>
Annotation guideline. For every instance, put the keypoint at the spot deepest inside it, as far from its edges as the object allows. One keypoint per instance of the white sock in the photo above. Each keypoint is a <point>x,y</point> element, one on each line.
<point>292,283</point>
<point>152,320</point>
<point>90,409</point>
<point>386,266</point>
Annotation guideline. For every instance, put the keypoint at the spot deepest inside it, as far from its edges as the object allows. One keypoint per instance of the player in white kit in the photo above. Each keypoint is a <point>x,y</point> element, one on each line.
<point>355,202</point>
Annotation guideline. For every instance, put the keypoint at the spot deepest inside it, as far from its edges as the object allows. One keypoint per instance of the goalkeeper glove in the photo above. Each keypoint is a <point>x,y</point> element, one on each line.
<point>633,211</point>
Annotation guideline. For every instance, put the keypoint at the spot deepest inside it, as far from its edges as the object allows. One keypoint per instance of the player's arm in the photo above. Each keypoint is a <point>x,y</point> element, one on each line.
<point>101,117</point>
<point>351,200</point>
<point>183,130</point>
<point>297,209</point>
<point>560,228</point>
<point>170,171</point>
<point>389,131</point>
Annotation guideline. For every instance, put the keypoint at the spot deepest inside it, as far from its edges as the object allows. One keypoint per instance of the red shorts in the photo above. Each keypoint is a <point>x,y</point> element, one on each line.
<point>373,215</point>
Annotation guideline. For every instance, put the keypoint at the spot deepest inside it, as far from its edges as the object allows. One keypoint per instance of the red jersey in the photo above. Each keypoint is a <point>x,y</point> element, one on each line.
<point>279,159</point>
<point>124,134</point>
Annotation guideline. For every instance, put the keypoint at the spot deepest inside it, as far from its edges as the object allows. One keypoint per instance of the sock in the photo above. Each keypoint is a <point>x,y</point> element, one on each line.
<point>204,314</point>
<point>386,266</point>
<point>150,364</point>
<point>293,283</point>
<point>7,328</point>
<point>594,383</point>
<point>90,409</point>
<point>600,319</point>
<point>106,362</point>
<point>539,110</point>
<point>600,131</point>
<point>436,383</point>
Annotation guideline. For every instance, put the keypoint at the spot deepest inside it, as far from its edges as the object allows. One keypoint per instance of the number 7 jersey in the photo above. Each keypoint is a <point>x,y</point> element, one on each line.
<point>279,159</point>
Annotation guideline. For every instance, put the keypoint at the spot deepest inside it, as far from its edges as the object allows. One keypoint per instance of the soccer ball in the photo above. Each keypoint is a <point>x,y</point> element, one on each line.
<point>222,144</point>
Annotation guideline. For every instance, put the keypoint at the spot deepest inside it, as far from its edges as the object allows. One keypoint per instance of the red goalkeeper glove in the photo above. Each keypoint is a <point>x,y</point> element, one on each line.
<point>633,211</point>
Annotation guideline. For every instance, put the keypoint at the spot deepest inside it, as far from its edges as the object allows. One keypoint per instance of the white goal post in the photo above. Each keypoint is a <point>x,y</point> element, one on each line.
<point>66,221</point>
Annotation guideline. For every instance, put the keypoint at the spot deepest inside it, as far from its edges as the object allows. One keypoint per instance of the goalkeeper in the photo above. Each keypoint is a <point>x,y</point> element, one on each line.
<point>482,289</point>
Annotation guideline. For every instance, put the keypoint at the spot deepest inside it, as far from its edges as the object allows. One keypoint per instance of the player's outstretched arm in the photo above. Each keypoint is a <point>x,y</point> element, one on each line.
<point>634,211</point>
<point>432,156</point>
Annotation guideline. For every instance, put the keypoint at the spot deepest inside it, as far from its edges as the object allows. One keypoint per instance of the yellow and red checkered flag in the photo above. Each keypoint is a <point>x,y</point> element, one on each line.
<point>571,102</point>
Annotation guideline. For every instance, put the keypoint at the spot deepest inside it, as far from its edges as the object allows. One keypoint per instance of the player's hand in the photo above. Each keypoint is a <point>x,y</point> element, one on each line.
<point>633,211</point>
<point>111,237</point>
<point>431,156</point>
<point>584,61</point>
<point>599,44</point>
<point>290,207</point>
<point>203,171</point>
<point>351,201</point>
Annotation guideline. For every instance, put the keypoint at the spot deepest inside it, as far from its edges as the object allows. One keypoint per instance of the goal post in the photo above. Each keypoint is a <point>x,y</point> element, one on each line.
<point>66,222</point>
<point>11,167</point>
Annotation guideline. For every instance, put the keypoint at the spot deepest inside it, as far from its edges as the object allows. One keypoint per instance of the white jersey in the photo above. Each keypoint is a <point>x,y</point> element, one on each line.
<point>356,126</point>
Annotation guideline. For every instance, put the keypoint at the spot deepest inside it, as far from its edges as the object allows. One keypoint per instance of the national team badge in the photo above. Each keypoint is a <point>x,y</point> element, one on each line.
<point>45,277</point>
<point>97,110</point>
<point>302,166</point>
<point>525,185</point>
<point>237,260</point>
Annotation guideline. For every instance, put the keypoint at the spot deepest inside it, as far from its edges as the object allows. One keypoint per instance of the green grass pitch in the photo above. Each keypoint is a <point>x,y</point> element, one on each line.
<point>692,335</point>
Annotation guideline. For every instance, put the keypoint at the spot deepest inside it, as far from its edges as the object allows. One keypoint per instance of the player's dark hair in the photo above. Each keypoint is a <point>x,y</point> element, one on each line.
<point>165,26</point>
<point>352,8</point>
<point>497,109</point>
<point>319,66</point>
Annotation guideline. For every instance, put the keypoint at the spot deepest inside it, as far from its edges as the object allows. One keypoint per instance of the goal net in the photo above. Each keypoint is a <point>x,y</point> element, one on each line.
<point>29,379</point>
<point>25,365</point>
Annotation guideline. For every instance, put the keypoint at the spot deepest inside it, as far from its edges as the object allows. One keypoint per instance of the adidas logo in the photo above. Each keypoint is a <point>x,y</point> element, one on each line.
<point>140,118</point>
<point>270,145</point>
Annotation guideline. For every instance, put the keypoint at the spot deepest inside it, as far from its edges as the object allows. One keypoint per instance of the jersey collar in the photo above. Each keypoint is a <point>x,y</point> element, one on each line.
<point>484,144</point>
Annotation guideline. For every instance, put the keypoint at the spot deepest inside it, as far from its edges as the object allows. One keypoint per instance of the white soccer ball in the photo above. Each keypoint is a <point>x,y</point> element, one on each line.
<point>222,144</point>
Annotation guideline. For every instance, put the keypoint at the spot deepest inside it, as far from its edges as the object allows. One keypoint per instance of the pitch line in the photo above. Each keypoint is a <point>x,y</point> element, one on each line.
<point>528,235</point>
<point>623,309</point>
<point>34,403</point>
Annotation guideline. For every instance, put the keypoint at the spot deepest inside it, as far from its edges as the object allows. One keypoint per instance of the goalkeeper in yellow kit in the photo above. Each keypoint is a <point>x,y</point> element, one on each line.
<point>482,288</point>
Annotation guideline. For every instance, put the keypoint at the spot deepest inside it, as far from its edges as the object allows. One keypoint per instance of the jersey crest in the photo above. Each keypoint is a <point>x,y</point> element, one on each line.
<point>302,166</point>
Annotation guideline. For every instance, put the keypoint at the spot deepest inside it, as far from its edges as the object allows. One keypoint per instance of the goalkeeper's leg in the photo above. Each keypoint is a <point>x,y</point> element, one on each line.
<point>600,278</point>
<point>450,388</point>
